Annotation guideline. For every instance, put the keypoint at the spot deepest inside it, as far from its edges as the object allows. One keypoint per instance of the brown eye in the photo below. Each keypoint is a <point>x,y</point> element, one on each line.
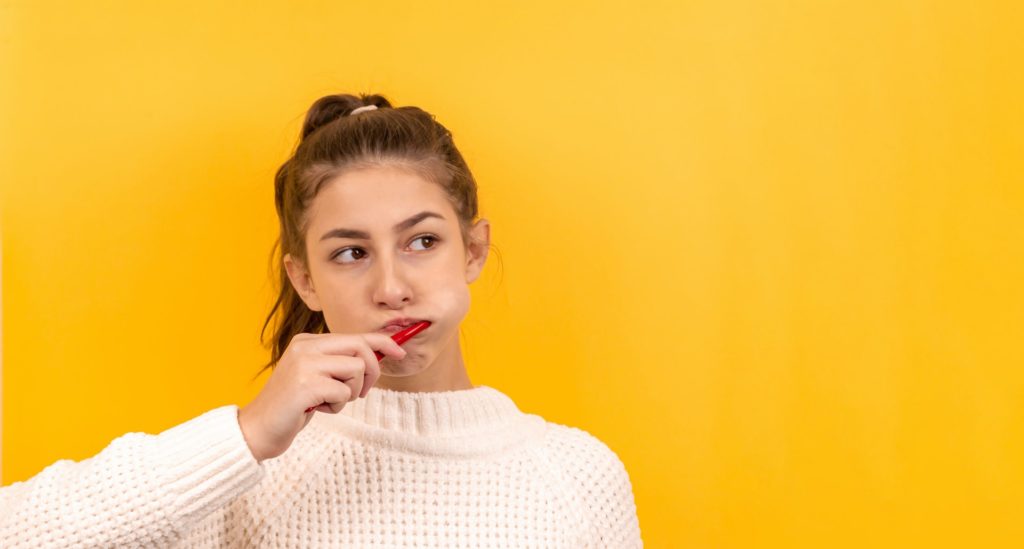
<point>427,238</point>
<point>354,252</point>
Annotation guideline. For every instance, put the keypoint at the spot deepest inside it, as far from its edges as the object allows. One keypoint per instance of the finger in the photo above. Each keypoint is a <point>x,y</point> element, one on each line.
<point>333,344</point>
<point>333,371</point>
<point>361,346</point>
<point>384,343</point>
<point>372,370</point>
<point>349,370</point>
<point>370,377</point>
<point>355,384</point>
<point>335,395</point>
<point>341,396</point>
<point>345,344</point>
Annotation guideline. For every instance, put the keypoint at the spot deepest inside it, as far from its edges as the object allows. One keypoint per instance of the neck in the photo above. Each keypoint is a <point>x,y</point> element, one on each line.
<point>446,373</point>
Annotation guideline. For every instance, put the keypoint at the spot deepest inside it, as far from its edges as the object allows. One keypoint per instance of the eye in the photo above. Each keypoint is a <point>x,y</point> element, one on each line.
<point>428,238</point>
<point>353,250</point>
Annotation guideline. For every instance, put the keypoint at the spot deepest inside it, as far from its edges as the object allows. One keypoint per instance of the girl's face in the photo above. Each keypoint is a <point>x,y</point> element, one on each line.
<point>382,244</point>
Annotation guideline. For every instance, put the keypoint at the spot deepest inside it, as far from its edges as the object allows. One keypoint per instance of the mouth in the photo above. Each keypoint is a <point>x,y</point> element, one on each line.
<point>397,325</point>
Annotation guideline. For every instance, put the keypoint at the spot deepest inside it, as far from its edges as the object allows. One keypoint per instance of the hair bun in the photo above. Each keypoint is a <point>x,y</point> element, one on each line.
<point>329,108</point>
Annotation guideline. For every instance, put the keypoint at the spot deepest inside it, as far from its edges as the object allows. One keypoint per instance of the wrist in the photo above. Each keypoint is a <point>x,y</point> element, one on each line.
<point>244,423</point>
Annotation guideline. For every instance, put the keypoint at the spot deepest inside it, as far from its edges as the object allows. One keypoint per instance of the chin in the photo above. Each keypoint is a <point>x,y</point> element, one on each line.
<point>406,367</point>
<point>386,372</point>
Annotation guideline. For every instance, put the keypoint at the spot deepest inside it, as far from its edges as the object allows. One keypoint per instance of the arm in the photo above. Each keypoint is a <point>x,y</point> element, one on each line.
<point>600,486</point>
<point>140,490</point>
<point>611,504</point>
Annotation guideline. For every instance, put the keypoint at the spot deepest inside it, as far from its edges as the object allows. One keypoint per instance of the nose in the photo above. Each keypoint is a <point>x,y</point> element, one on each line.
<point>390,286</point>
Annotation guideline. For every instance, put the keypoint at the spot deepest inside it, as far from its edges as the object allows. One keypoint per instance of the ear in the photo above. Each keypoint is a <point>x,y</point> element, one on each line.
<point>302,282</point>
<point>476,252</point>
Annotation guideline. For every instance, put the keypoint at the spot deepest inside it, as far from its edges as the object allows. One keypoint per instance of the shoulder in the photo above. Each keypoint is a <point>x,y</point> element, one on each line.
<point>587,459</point>
<point>579,444</point>
<point>599,481</point>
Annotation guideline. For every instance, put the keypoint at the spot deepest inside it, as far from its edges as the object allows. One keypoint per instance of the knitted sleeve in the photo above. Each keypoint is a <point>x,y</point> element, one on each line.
<point>141,490</point>
<point>602,484</point>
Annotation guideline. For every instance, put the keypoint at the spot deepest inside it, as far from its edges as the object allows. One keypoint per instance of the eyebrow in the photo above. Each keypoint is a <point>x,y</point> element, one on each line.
<point>363,235</point>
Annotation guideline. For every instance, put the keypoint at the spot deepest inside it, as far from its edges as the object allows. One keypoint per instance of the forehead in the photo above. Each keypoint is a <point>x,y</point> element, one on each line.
<point>375,198</point>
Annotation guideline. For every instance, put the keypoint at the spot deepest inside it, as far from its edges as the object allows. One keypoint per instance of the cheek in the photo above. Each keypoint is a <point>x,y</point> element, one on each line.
<point>450,304</point>
<point>447,298</point>
<point>337,300</point>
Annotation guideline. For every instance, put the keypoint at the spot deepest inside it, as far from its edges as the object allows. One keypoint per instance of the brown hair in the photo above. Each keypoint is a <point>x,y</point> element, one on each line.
<point>332,142</point>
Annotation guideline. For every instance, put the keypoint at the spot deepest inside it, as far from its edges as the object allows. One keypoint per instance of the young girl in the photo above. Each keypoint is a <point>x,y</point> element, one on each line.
<point>379,229</point>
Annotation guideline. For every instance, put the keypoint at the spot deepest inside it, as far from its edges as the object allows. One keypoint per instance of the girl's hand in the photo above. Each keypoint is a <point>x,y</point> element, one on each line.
<point>325,371</point>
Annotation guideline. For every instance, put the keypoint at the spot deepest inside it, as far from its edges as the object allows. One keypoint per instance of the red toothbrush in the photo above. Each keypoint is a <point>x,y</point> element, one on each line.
<point>400,338</point>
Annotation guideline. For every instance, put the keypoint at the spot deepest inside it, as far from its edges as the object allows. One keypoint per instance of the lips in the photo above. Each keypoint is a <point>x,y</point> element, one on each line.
<point>398,324</point>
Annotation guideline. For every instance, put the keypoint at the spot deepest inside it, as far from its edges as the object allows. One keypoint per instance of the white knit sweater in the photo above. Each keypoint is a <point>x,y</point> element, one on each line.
<point>444,469</point>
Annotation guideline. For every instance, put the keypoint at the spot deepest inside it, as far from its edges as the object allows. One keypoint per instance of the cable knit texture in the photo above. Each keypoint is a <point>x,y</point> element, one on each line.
<point>444,469</point>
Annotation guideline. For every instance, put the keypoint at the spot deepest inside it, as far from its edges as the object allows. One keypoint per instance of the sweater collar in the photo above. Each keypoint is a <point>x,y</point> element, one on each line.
<point>479,421</point>
<point>433,413</point>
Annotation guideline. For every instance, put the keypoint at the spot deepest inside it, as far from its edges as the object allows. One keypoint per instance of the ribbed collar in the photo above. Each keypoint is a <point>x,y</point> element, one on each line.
<point>463,422</point>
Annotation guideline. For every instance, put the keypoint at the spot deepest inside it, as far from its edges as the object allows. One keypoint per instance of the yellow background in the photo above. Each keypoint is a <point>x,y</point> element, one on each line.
<point>769,252</point>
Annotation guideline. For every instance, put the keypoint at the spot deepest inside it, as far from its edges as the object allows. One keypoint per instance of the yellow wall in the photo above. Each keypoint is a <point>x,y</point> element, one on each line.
<point>769,252</point>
